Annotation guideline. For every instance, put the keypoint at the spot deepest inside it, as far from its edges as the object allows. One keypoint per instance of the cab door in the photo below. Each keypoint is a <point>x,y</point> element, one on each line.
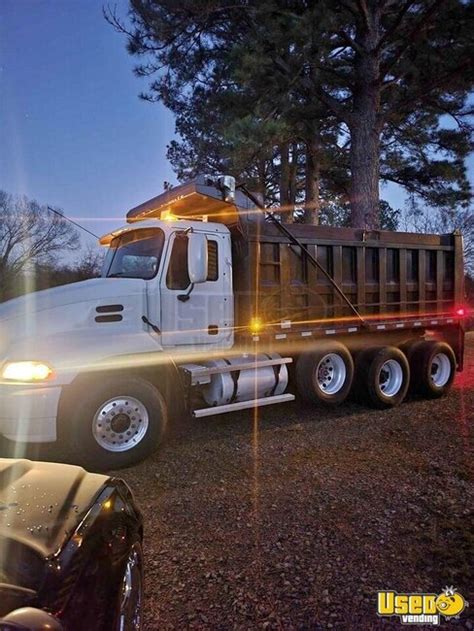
<point>199,314</point>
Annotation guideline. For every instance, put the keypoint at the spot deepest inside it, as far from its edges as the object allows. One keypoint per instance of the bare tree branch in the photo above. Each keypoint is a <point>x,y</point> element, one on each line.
<point>30,235</point>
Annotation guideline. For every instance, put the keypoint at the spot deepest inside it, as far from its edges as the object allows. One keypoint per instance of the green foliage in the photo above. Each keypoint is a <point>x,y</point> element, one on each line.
<point>303,99</point>
<point>338,213</point>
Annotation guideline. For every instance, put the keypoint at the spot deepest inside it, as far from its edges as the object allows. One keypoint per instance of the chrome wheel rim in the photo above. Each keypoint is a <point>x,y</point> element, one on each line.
<point>440,370</point>
<point>120,424</point>
<point>132,592</point>
<point>331,374</point>
<point>390,378</point>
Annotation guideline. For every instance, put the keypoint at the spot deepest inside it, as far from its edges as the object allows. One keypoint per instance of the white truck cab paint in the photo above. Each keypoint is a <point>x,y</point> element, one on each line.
<point>129,311</point>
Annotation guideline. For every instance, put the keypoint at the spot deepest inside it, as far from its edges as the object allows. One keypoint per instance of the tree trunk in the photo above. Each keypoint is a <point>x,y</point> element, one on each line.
<point>364,195</point>
<point>286,215</point>
<point>312,180</point>
<point>365,124</point>
<point>262,184</point>
<point>292,191</point>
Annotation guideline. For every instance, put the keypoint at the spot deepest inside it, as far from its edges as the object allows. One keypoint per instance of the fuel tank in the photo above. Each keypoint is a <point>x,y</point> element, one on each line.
<point>245,385</point>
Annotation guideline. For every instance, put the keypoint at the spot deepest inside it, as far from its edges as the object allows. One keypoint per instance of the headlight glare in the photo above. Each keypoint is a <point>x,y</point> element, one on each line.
<point>26,371</point>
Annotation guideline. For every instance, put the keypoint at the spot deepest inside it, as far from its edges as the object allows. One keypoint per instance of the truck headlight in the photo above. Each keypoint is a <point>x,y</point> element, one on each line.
<point>26,371</point>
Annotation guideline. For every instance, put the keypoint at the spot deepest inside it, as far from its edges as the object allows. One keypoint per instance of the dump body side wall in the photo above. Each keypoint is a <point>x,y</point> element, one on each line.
<point>385,275</point>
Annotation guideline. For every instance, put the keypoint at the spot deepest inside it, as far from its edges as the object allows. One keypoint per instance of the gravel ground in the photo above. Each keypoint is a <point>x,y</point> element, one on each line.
<point>293,519</point>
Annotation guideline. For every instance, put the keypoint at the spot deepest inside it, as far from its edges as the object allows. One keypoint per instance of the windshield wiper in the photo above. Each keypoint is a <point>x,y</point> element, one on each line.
<point>117,275</point>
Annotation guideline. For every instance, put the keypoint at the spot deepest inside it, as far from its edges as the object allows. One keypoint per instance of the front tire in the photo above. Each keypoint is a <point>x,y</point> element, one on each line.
<point>130,606</point>
<point>117,423</point>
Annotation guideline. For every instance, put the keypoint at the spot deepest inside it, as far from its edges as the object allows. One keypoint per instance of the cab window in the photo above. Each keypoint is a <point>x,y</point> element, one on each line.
<point>135,254</point>
<point>177,276</point>
<point>212,260</point>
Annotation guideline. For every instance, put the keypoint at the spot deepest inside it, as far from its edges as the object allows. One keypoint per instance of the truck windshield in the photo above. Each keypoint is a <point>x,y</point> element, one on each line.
<point>135,254</point>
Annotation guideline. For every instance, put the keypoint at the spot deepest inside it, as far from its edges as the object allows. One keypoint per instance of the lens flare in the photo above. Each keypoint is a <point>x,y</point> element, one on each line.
<point>26,371</point>
<point>256,326</point>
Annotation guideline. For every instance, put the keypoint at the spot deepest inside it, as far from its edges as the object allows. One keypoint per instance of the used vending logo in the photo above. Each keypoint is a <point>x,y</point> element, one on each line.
<point>421,608</point>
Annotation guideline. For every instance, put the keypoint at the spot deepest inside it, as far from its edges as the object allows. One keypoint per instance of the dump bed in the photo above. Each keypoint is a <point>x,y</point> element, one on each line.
<point>385,275</point>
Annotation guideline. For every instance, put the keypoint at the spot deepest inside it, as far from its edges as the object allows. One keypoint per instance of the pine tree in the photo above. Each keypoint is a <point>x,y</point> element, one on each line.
<point>298,97</point>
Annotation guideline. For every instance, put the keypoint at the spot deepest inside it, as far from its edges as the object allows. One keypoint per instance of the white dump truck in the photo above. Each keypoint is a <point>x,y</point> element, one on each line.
<point>208,304</point>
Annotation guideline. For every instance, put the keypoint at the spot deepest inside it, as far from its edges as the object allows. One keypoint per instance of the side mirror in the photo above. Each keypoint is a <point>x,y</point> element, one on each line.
<point>197,257</point>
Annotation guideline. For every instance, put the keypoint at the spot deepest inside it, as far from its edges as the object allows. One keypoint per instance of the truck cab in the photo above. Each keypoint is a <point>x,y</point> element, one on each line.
<point>186,267</point>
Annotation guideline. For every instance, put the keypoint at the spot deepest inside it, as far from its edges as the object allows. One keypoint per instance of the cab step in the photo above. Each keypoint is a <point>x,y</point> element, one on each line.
<point>243,405</point>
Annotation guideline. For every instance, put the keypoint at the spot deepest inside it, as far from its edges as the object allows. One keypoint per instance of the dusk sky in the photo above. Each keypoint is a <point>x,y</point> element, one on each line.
<point>74,133</point>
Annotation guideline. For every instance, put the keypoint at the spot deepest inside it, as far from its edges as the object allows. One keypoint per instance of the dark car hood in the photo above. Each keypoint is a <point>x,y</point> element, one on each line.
<point>41,503</point>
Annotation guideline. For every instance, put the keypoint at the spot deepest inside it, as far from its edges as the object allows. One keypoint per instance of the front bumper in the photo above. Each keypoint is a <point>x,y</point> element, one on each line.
<point>28,413</point>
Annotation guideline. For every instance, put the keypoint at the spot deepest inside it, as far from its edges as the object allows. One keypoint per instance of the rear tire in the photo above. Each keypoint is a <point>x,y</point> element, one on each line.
<point>325,376</point>
<point>117,423</point>
<point>382,377</point>
<point>433,367</point>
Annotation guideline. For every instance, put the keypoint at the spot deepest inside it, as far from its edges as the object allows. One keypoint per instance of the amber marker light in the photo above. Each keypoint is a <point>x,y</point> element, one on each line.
<point>27,371</point>
<point>167,215</point>
<point>256,326</point>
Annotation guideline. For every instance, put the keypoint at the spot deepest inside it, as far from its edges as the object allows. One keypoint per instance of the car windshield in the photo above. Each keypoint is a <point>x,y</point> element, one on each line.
<point>135,254</point>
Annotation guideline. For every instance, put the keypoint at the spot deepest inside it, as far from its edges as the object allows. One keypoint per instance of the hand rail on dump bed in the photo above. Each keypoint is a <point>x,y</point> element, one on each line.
<point>304,249</point>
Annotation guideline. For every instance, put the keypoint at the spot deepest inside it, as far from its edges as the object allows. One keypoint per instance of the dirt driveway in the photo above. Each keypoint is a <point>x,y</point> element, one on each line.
<point>294,519</point>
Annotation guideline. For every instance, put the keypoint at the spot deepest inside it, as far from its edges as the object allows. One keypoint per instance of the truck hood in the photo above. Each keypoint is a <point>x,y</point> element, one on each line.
<point>91,306</point>
<point>95,289</point>
<point>41,503</point>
